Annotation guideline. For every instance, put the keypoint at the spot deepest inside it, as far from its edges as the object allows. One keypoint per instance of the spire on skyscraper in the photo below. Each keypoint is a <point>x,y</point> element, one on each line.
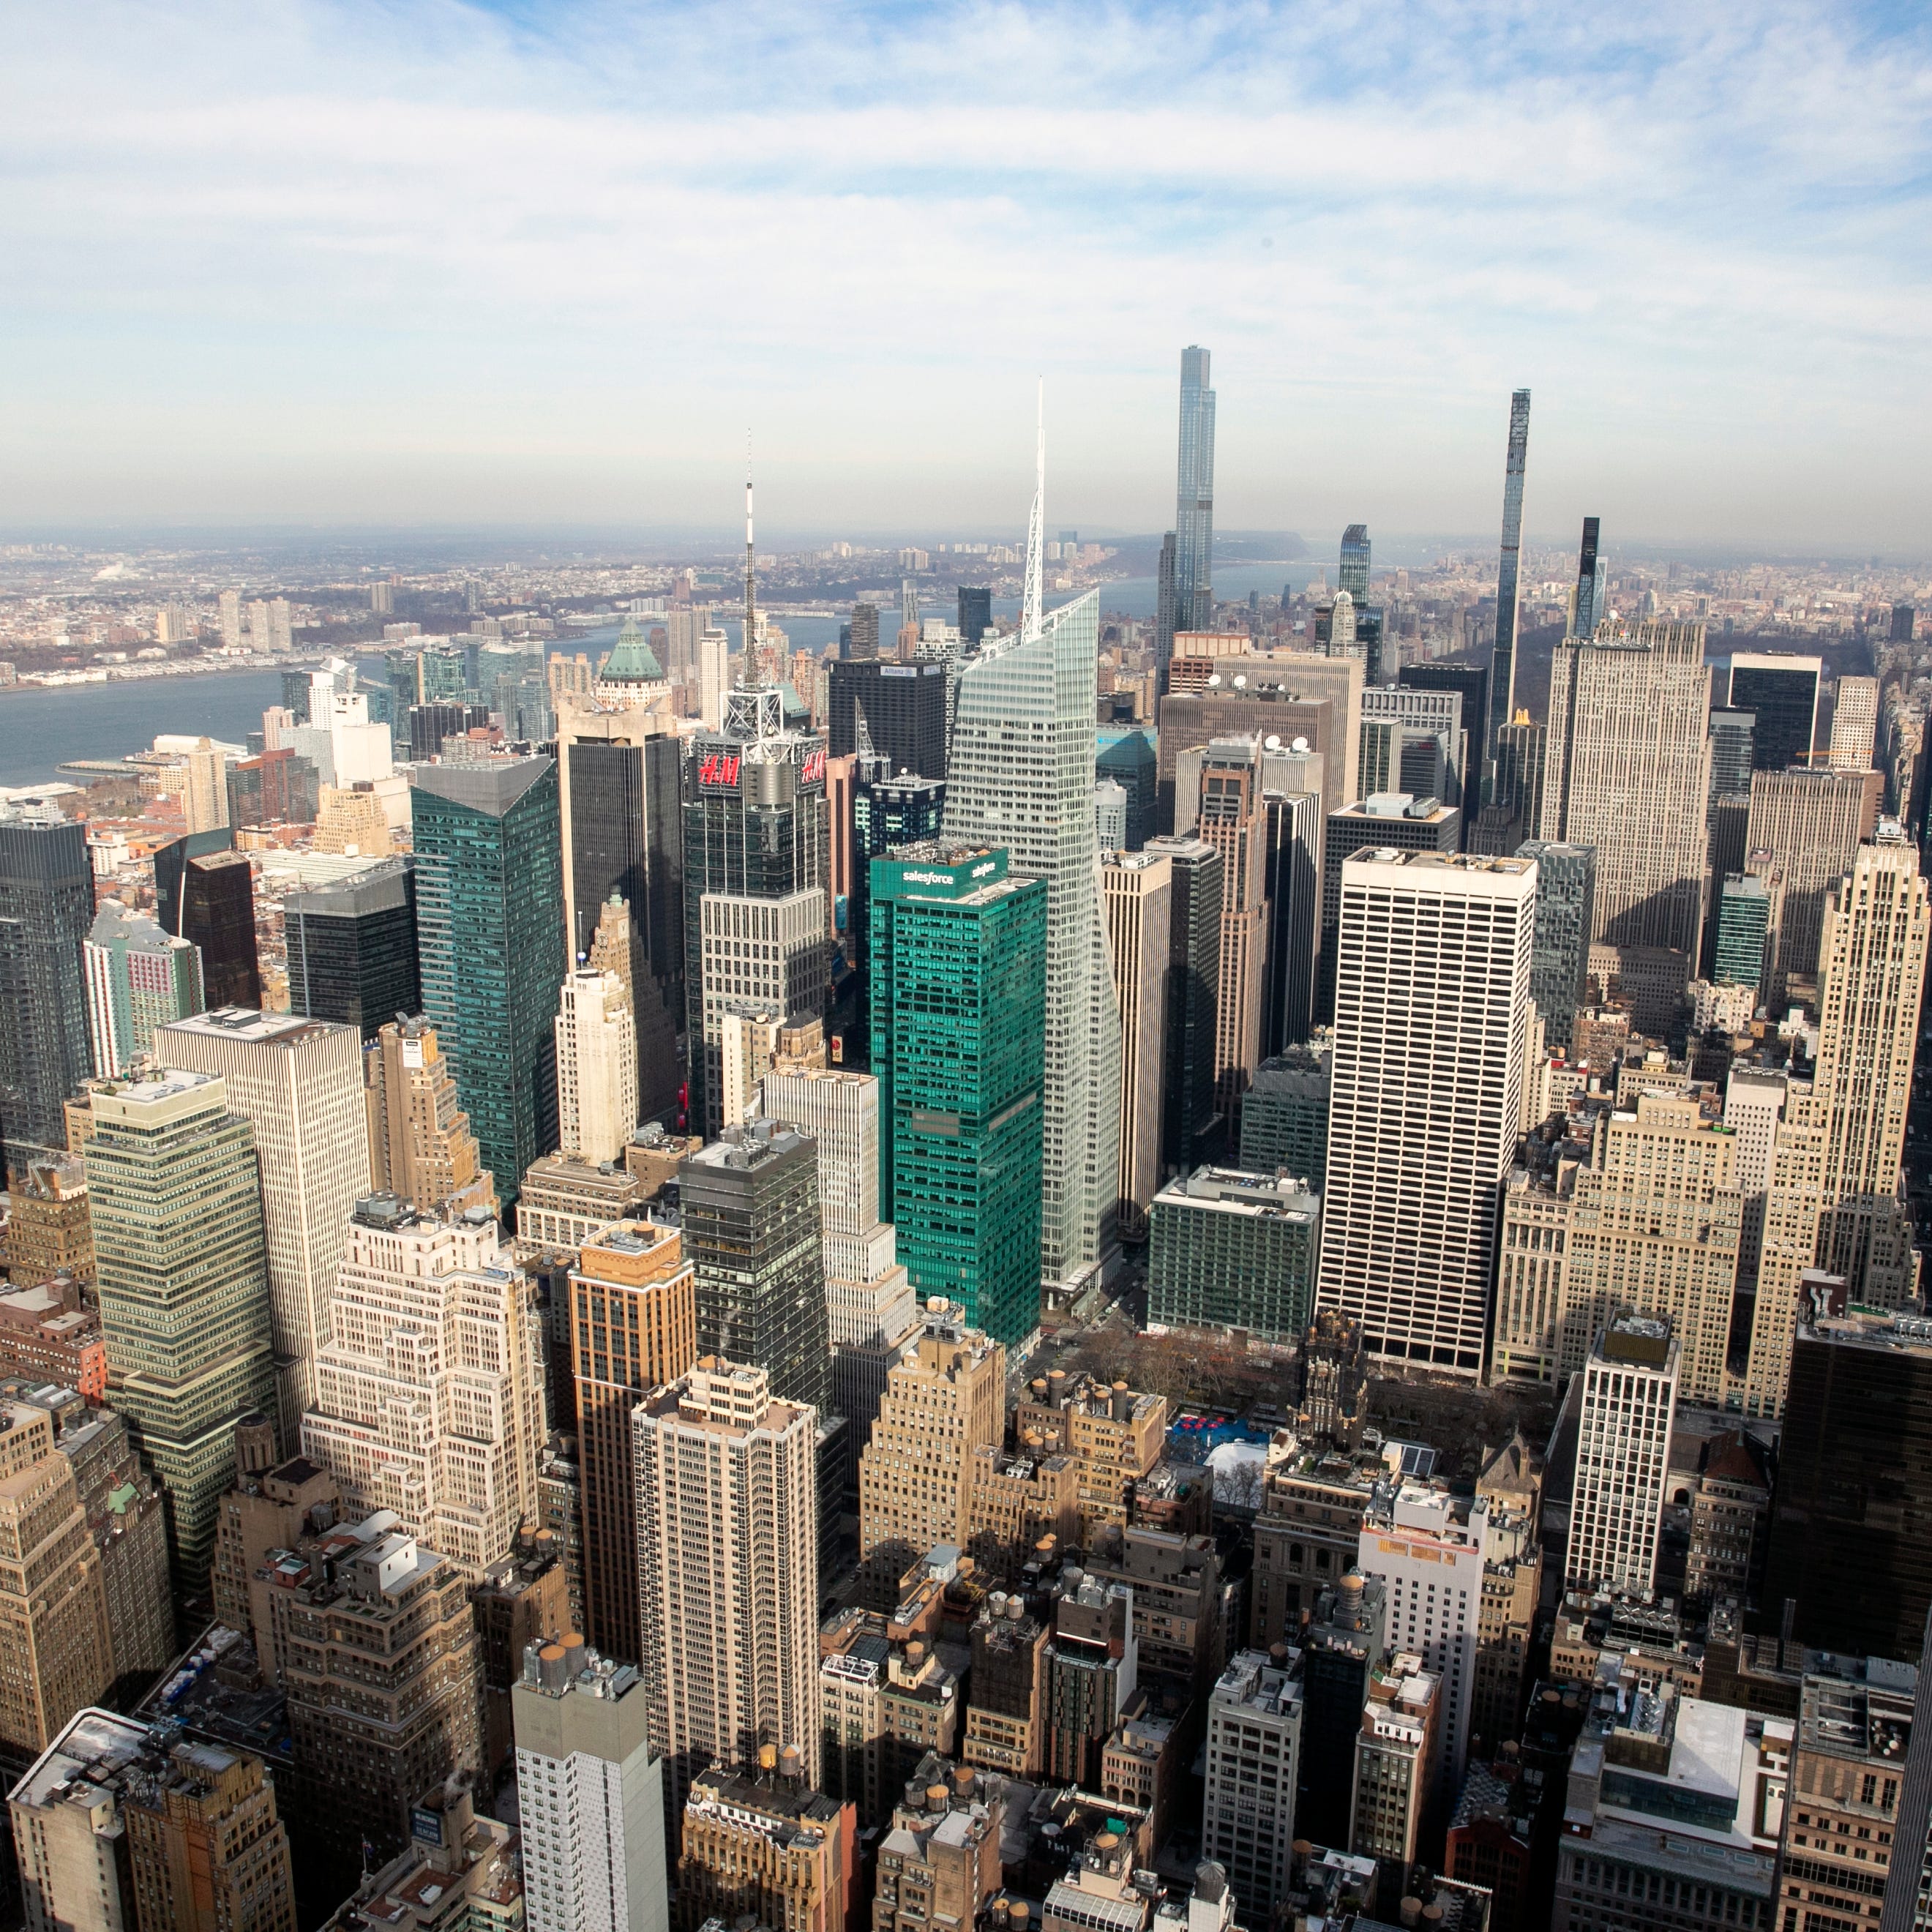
<point>1033,608</point>
<point>751,670</point>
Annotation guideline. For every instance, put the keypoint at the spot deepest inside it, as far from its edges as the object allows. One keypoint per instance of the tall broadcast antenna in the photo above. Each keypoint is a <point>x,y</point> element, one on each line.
<point>753,673</point>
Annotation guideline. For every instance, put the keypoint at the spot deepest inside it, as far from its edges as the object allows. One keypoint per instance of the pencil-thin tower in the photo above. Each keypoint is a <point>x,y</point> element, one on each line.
<point>1502,660</point>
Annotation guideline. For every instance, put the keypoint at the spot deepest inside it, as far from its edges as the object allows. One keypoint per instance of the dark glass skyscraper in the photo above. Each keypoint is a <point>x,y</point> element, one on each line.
<point>757,880</point>
<point>1733,733</point>
<point>619,792</point>
<point>1353,577</point>
<point>352,949</point>
<point>975,614</point>
<point>1166,612</point>
<point>958,1009</point>
<point>751,1232</point>
<point>1781,688</point>
<point>904,709</point>
<point>1559,957</point>
<point>1193,1002</point>
<point>1850,1552</point>
<point>1585,616</point>
<point>489,873</point>
<point>47,910</point>
<point>887,811</point>
<point>1194,498</point>
<point>1502,659</point>
<point>205,891</point>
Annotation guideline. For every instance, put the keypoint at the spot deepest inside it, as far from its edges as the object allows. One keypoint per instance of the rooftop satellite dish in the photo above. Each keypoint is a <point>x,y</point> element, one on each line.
<point>1214,681</point>
<point>1272,741</point>
<point>1300,744</point>
<point>1240,684</point>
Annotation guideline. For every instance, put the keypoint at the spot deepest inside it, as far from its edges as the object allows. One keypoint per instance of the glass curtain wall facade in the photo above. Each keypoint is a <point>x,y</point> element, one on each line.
<point>959,1008</point>
<point>46,908</point>
<point>352,949</point>
<point>1021,777</point>
<point>1194,498</point>
<point>490,926</point>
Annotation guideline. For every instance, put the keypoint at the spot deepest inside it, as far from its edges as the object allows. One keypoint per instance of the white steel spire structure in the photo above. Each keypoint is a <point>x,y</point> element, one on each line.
<point>751,675</point>
<point>1032,609</point>
<point>1021,776</point>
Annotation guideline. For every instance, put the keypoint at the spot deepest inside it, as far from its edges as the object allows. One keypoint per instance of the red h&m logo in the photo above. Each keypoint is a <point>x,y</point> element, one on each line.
<point>813,769</point>
<point>718,770</point>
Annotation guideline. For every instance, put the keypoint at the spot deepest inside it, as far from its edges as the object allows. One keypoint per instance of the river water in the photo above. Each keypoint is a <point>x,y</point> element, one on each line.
<point>40,730</point>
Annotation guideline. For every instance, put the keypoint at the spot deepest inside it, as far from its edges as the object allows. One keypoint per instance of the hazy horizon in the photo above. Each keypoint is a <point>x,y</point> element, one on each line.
<point>460,265</point>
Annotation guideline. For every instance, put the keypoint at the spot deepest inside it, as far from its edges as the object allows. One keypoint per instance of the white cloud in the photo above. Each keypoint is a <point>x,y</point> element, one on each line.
<point>422,260</point>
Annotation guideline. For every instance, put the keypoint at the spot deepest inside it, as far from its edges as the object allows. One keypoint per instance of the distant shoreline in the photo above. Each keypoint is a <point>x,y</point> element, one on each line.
<point>120,674</point>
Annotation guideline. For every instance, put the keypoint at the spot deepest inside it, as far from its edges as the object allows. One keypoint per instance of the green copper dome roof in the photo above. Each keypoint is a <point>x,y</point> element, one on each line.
<point>631,660</point>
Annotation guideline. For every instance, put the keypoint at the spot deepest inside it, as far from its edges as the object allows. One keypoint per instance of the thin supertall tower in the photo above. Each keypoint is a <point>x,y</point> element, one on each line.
<point>1502,660</point>
<point>1194,498</point>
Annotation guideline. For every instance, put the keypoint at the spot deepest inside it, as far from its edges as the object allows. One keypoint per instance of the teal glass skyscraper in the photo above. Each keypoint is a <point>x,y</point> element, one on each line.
<point>959,1011</point>
<point>1194,498</point>
<point>489,870</point>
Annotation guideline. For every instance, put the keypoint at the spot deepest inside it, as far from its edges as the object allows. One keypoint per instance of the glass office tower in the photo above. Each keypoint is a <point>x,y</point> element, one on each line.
<point>352,949</point>
<point>47,908</point>
<point>958,1004</point>
<point>489,874</point>
<point>1502,658</point>
<point>1194,498</point>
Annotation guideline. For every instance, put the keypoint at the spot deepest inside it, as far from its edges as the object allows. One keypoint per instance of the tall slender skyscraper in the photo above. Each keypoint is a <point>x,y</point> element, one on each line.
<point>489,924</point>
<point>1353,577</point>
<point>752,1230</point>
<point>298,1084</point>
<point>1138,889</point>
<point>618,782</point>
<point>958,983</point>
<point>46,906</point>
<point>727,1562</point>
<point>757,862</point>
<point>596,1067</point>
<point>1502,660</point>
<point>1628,771</point>
<point>1585,613</point>
<point>1194,498</point>
<point>176,1199</point>
<point>205,891</point>
<point>1022,776</point>
<point>1871,969</point>
<point>1433,969</point>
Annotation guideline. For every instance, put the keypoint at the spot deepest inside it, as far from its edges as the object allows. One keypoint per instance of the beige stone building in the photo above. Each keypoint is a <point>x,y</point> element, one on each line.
<point>53,1605</point>
<point>1628,771</point>
<point>1871,971</point>
<point>1137,895</point>
<point>944,1398</point>
<point>727,1565</point>
<point>940,1864</point>
<point>430,1398</point>
<point>420,1145</point>
<point>113,1833</point>
<point>1015,1498</point>
<point>1812,822</point>
<point>763,1843</point>
<point>633,1328</point>
<point>381,1666</point>
<point>1115,1434</point>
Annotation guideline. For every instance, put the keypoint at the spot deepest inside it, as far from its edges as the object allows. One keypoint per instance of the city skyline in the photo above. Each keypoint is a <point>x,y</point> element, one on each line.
<point>1661,257</point>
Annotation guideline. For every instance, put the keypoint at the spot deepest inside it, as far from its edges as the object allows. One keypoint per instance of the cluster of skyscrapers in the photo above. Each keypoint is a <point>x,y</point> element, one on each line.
<point>593,1329</point>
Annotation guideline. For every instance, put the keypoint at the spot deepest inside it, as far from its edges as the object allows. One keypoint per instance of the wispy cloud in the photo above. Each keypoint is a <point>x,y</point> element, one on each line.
<point>429,259</point>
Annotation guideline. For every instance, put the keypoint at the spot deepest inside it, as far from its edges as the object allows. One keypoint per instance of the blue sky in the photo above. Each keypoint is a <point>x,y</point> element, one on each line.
<point>430,261</point>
